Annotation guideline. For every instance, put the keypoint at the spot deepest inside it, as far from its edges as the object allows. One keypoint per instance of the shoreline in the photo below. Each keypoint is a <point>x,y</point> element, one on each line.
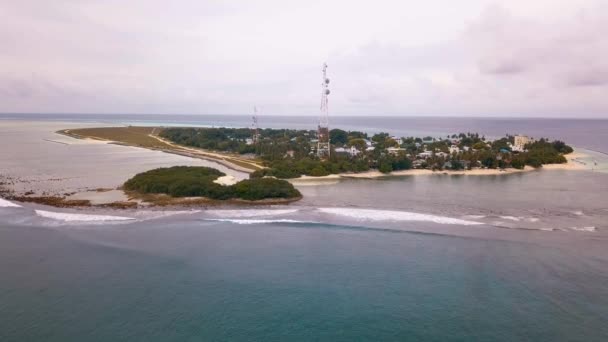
<point>144,201</point>
<point>573,164</point>
<point>135,202</point>
<point>374,174</point>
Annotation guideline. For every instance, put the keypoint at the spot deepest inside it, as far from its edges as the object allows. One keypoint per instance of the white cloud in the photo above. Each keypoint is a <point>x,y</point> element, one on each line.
<point>479,57</point>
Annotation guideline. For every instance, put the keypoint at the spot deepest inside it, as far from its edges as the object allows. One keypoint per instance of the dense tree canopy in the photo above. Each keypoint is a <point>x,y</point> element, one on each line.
<point>190,181</point>
<point>338,136</point>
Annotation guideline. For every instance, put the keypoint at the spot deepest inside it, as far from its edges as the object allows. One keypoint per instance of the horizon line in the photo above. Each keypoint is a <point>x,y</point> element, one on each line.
<point>334,115</point>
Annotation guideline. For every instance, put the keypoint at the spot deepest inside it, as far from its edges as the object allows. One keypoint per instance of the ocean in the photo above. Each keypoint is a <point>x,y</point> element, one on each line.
<point>519,257</point>
<point>591,134</point>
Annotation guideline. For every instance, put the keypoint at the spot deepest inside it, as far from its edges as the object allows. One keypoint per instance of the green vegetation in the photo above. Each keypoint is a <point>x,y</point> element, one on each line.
<point>218,139</point>
<point>292,168</point>
<point>338,137</point>
<point>292,153</point>
<point>187,181</point>
<point>258,189</point>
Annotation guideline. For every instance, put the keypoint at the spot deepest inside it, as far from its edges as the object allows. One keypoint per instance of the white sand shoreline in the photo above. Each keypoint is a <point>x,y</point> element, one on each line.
<point>574,163</point>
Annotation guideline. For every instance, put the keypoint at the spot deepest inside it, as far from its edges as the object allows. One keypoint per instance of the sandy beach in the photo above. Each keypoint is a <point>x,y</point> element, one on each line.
<point>575,162</point>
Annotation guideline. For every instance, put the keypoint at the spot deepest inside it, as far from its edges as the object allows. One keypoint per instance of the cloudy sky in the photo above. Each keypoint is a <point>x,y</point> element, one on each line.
<point>545,58</point>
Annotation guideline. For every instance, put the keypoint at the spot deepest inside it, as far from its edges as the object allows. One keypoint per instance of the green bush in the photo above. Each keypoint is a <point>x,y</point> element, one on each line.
<point>318,172</point>
<point>261,188</point>
<point>385,167</point>
<point>186,181</point>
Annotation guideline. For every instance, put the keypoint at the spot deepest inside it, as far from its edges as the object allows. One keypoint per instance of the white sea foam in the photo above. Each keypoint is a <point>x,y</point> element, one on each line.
<point>258,221</point>
<point>250,212</point>
<point>69,217</point>
<point>6,204</point>
<point>583,229</point>
<point>474,217</point>
<point>389,215</point>
<point>510,218</point>
<point>156,214</point>
<point>532,219</point>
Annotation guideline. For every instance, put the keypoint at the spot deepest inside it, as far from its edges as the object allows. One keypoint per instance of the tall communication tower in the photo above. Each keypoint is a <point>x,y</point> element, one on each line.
<point>323,146</point>
<point>255,130</point>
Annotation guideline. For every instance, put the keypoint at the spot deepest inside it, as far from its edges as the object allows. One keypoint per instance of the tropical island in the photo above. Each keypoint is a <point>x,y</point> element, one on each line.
<point>292,153</point>
<point>276,159</point>
<point>289,153</point>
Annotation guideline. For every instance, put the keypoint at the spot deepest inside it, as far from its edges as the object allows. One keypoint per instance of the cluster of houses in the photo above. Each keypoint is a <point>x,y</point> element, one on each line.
<point>353,151</point>
<point>424,151</point>
<point>519,144</point>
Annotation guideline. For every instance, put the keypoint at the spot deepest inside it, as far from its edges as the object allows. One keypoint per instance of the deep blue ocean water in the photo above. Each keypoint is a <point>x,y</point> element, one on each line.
<point>194,281</point>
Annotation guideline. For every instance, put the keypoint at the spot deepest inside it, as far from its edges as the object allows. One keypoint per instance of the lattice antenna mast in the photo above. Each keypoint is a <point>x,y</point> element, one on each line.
<point>323,146</point>
<point>255,130</point>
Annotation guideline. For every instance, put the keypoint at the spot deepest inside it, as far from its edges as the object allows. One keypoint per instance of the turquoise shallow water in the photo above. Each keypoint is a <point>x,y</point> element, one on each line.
<point>210,281</point>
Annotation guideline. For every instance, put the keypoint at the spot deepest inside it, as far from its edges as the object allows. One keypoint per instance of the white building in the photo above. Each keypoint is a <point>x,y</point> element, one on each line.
<point>395,150</point>
<point>520,143</point>
<point>425,155</point>
<point>352,151</point>
<point>454,149</point>
<point>398,140</point>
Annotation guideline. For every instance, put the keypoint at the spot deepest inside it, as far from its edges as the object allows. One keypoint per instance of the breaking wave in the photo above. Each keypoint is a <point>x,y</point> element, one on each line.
<point>583,229</point>
<point>510,218</point>
<point>389,215</point>
<point>6,204</point>
<point>475,217</point>
<point>259,221</point>
<point>250,212</point>
<point>69,217</point>
<point>157,214</point>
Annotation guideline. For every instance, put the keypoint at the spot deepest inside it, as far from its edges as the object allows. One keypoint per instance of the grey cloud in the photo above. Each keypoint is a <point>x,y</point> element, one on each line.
<point>31,88</point>
<point>586,78</point>
<point>16,88</point>
<point>501,67</point>
<point>567,52</point>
